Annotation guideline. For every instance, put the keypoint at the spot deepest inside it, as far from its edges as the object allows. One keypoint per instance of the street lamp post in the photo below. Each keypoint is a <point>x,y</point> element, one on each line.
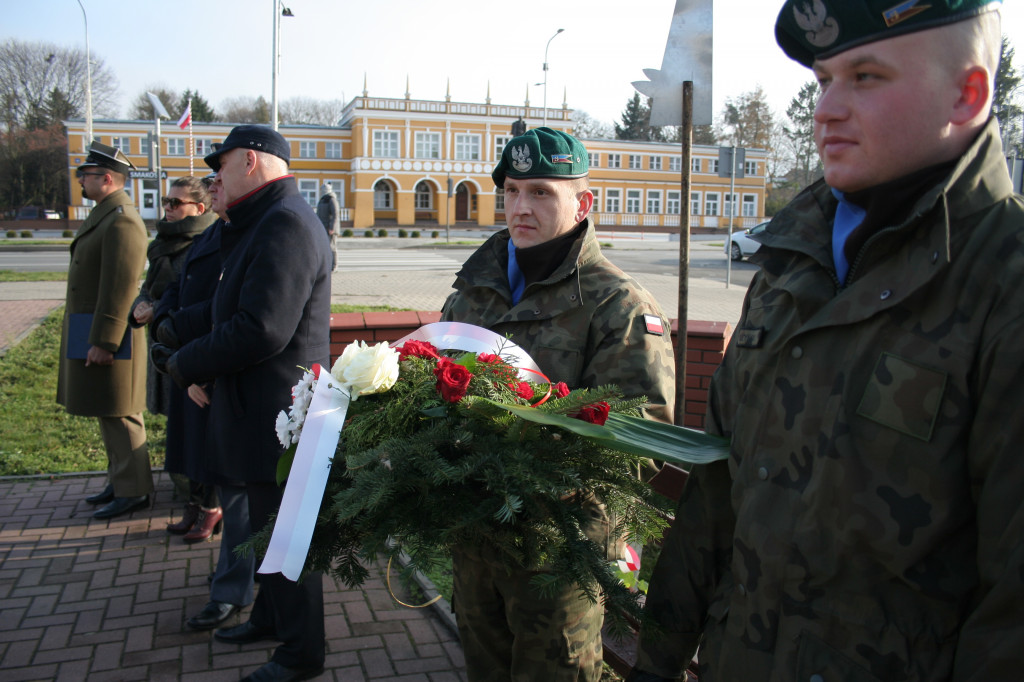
<point>279,11</point>
<point>88,82</point>
<point>546,74</point>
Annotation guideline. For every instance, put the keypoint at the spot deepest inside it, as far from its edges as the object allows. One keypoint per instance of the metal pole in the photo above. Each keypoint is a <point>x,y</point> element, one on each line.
<point>276,62</point>
<point>88,82</point>
<point>156,164</point>
<point>684,256</point>
<point>732,212</point>
<point>546,74</point>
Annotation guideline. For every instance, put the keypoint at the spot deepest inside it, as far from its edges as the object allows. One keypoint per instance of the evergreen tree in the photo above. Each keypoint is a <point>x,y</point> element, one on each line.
<point>748,121</point>
<point>201,109</point>
<point>635,120</point>
<point>141,108</point>
<point>799,134</point>
<point>1009,114</point>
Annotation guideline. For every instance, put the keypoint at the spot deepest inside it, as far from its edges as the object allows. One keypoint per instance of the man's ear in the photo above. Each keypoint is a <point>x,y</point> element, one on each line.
<point>586,202</point>
<point>251,161</point>
<point>975,93</point>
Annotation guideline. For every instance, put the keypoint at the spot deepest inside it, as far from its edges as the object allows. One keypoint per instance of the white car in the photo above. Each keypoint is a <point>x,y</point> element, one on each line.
<point>742,245</point>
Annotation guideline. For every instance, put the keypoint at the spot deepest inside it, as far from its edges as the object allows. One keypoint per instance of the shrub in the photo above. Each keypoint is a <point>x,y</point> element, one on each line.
<point>368,233</point>
<point>403,234</point>
<point>68,234</point>
<point>435,234</point>
<point>415,234</point>
<point>26,234</point>
<point>346,232</point>
<point>11,234</point>
<point>382,232</point>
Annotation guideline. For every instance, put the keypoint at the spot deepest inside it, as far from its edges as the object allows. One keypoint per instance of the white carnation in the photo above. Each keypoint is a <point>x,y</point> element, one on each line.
<point>364,369</point>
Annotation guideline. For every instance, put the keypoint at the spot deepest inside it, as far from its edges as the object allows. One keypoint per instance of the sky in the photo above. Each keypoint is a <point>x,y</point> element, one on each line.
<point>224,48</point>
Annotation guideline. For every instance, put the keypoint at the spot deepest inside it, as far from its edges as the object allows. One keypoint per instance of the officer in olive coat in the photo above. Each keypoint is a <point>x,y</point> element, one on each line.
<point>103,362</point>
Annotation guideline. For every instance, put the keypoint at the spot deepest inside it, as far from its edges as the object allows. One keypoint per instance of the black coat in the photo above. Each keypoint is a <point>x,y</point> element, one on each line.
<point>191,293</point>
<point>270,316</point>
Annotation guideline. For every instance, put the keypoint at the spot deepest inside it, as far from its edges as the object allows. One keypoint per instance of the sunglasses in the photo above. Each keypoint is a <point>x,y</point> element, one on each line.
<point>173,203</point>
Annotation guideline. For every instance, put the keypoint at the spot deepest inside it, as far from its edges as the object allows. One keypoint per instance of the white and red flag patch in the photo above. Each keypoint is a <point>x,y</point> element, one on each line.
<point>654,325</point>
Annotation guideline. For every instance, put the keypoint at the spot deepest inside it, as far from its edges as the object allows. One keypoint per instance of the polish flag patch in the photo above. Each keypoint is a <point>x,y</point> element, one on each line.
<point>654,325</point>
<point>631,560</point>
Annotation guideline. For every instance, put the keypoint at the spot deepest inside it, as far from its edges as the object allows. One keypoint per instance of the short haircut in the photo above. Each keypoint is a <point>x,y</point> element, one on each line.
<point>972,42</point>
<point>197,189</point>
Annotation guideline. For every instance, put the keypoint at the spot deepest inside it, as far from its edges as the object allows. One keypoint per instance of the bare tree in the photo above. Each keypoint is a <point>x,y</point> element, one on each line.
<point>587,127</point>
<point>41,80</point>
<point>141,108</point>
<point>306,110</point>
<point>747,121</point>
<point>243,109</point>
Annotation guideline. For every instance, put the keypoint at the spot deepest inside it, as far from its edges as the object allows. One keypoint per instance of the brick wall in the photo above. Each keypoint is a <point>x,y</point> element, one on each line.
<point>705,346</point>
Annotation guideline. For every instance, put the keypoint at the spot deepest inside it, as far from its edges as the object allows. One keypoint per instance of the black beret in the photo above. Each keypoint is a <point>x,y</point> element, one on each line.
<point>256,137</point>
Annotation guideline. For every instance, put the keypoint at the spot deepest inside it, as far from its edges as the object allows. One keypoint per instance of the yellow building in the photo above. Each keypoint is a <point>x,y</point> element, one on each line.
<point>427,163</point>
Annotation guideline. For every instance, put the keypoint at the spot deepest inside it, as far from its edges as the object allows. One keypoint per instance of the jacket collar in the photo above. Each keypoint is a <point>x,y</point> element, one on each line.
<point>250,208</point>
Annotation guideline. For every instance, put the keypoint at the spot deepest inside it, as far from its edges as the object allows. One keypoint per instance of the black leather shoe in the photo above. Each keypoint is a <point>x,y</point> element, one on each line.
<point>212,615</point>
<point>121,505</point>
<point>246,633</point>
<point>275,672</point>
<point>104,496</point>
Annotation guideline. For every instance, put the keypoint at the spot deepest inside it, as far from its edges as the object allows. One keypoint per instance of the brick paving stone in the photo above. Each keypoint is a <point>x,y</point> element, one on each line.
<point>72,653</point>
<point>72,671</point>
<point>56,637</point>
<point>377,664</point>
<point>37,672</point>
<point>107,656</point>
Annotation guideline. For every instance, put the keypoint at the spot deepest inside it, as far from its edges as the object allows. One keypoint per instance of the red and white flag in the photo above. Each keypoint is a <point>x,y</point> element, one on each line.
<point>186,118</point>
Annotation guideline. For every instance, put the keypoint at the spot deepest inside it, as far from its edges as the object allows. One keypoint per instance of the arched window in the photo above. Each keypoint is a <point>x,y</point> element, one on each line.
<point>382,195</point>
<point>424,196</point>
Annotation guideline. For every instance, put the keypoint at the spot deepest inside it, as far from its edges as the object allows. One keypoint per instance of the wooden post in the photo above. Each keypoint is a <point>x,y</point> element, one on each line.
<point>684,253</point>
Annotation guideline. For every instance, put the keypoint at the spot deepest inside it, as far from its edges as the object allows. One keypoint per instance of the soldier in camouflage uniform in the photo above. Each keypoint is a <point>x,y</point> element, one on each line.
<point>868,524</point>
<point>545,283</point>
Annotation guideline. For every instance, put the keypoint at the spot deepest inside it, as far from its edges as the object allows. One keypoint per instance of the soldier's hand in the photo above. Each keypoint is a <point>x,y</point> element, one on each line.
<point>166,334</point>
<point>159,354</point>
<point>98,356</point>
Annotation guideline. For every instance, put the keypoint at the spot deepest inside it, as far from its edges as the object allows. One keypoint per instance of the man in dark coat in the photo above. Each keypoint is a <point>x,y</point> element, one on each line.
<point>327,212</point>
<point>270,315</point>
<point>102,364</point>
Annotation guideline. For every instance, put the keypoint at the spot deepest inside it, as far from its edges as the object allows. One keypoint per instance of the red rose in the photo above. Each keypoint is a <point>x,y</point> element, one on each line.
<point>452,380</point>
<point>595,414</point>
<point>488,357</point>
<point>522,389</point>
<point>417,349</point>
<point>561,389</point>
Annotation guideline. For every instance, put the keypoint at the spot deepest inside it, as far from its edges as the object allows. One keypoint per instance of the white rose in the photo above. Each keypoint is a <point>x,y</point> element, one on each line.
<point>363,369</point>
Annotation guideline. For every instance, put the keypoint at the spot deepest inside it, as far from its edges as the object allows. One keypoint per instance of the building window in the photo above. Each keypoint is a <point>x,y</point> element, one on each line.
<point>654,201</point>
<point>597,199</point>
<point>672,202</point>
<point>332,150</point>
<point>712,165</point>
<point>749,205</point>
<point>499,200</point>
<point>203,147</point>
<point>428,146</point>
<point>385,143</point>
<point>424,196</point>
<point>632,201</point>
<point>634,162</point>
<point>308,190</point>
<point>145,145</point>
<point>750,167</point>
<point>615,161</point>
<point>655,163</point>
<point>675,163</point>
<point>595,160</point>
<point>307,150</point>
<point>122,143</point>
<point>711,203</point>
<point>338,187</point>
<point>611,200</point>
<point>175,146</point>
<point>694,203</point>
<point>694,165</point>
<point>467,147</point>
<point>382,195</point>
<point>499,145</point>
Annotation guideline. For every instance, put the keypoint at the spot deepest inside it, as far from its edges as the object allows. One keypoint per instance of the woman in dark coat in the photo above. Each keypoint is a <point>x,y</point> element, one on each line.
<point>187,215</point>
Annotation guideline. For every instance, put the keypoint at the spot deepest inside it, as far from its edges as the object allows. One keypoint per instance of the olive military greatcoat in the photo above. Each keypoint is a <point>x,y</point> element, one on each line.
<point>107,259</point>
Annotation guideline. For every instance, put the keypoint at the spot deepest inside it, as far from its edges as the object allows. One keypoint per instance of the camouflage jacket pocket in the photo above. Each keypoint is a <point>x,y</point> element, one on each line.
<point>560,364</point>
<point>904,396</point>
<point>818,661</point>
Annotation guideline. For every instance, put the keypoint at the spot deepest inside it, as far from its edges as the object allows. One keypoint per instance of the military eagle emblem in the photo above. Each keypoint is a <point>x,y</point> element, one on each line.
<point>521,160</point>
<point>822,30</point>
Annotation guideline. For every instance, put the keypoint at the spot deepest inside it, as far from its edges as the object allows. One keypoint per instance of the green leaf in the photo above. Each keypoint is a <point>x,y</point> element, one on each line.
<point>634,435</point>
<point>284,463</point>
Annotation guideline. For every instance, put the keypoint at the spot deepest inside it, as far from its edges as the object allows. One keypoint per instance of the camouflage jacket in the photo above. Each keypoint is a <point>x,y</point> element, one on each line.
<point>583,325</point>
<point>869,523</point>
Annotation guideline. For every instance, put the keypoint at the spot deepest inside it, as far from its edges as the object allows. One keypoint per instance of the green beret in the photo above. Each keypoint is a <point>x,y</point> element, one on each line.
<point>807,30</point>
<point>542,153</point>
